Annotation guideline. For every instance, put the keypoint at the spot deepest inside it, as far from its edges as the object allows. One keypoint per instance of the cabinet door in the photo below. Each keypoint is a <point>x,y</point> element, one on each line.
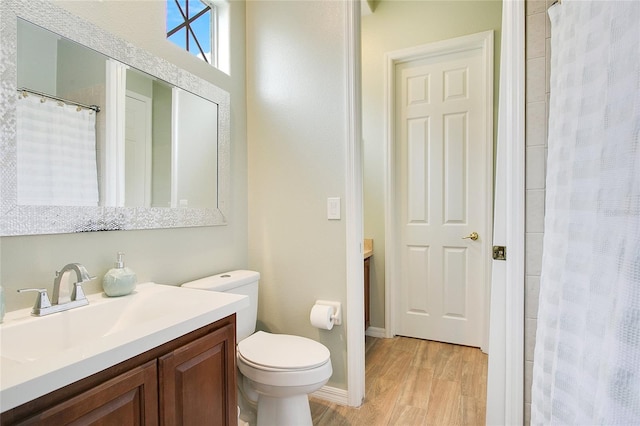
<point>198,381</point>
<point>128,399</point>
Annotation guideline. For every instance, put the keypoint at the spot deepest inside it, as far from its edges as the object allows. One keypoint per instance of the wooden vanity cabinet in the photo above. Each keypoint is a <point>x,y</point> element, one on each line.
<point>188,381</point>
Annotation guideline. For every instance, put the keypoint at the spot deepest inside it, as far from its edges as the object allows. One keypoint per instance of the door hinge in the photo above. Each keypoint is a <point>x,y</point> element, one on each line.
<point>499,253</point>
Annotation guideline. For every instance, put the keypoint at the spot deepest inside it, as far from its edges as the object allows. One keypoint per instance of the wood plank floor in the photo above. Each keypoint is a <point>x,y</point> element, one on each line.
<point>414,382</point>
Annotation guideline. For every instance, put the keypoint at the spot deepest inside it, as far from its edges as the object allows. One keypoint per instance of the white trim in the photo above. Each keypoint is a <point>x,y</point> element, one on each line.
<point>483,41</point>
<point>223,35</point>
<point>390,200</point>
<point>376,332</point>
<point>176,94</point>
<point>113,176</point>
<point>505,378</point>
<point>515,182</point>
<point>489,72</point>
<point>354,208</point>
<point>331,394</point>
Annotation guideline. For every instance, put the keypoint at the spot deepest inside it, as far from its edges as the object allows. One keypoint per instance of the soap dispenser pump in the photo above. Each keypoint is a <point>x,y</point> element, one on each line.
<point>119,280</point>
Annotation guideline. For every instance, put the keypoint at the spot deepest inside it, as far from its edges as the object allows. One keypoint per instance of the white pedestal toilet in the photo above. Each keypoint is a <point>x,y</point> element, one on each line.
<point>280,369</point>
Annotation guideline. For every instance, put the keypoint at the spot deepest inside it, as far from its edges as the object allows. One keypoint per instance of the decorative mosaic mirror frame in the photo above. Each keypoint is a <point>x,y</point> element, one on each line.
<point>29,220</point>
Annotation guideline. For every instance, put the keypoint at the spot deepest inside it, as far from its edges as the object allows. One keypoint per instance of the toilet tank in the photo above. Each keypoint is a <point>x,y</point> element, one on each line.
<point>235,282</point>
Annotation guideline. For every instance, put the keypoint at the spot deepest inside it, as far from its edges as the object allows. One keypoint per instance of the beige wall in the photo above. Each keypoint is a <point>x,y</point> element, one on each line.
<point>166,256</point>
<point>394,25</point>
<point>297,150</point>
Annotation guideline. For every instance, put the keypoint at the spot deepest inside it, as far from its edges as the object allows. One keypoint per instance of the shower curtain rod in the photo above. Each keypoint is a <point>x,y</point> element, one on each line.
<point>96,108</point>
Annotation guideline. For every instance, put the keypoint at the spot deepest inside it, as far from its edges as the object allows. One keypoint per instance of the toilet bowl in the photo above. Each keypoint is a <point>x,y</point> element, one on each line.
<point>280,370</point>
<point>283,370</point>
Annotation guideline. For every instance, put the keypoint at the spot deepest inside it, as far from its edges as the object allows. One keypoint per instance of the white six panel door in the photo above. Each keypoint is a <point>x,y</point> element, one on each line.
<point>441,149</point>
<point>137,150</point>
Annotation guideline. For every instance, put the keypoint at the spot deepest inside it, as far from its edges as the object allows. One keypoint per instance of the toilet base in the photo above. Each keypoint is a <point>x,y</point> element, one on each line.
<point>293,410</point>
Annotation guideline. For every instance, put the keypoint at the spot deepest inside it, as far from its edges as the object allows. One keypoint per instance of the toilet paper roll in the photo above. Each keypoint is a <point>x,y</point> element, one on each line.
<point>321,317</point>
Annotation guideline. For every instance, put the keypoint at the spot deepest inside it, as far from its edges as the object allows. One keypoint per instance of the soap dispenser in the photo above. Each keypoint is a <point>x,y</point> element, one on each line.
<point>119,280</point>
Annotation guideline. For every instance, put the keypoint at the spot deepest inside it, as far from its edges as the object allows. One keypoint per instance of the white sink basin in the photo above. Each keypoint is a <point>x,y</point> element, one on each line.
<point>41,354</point>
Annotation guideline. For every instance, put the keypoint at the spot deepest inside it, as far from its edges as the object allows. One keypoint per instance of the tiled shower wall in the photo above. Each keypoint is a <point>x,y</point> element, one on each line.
<point>537,107</point>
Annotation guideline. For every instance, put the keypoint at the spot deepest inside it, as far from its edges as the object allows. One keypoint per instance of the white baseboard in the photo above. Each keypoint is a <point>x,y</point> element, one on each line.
<point>376,332</point>
<point>331,394</point>
<point>341,396</point>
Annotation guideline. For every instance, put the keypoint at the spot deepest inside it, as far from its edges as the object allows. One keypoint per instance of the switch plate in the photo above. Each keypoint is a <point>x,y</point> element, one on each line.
<point>333,208</point>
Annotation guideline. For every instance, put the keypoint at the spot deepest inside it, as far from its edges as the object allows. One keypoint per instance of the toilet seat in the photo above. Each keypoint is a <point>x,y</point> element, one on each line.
<point>282,352</point>
<point>298,364</point>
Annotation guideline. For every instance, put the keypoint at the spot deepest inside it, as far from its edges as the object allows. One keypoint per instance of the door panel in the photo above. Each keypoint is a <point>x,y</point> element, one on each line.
<point>441,151</point>
<point>418,274</point>
<point>137,150</point>
<point>418,191</point>
<point>455,279</point>
<point>455,168</point>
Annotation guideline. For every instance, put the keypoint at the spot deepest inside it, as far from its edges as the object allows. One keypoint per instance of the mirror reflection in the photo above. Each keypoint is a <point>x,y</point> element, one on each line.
<point>151,145</point>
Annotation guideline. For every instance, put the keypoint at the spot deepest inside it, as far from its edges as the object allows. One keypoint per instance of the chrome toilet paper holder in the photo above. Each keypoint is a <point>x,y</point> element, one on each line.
<point>337,310</point>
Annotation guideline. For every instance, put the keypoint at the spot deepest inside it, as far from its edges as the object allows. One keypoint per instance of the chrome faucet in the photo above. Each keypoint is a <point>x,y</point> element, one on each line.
<point>44,306</point>
<point>82,276</point>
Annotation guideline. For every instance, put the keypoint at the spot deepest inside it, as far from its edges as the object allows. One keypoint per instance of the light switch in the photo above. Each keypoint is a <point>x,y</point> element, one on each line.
<point>333,208</point>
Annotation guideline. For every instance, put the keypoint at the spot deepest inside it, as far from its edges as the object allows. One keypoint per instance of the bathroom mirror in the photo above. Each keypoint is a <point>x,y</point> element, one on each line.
<point>179,177</point>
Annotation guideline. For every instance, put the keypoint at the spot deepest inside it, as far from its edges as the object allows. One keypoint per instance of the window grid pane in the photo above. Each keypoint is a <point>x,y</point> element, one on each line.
<point>191,25</point>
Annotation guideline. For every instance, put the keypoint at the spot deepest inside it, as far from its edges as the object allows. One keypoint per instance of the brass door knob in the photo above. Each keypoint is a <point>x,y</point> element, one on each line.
<point>473,236</point>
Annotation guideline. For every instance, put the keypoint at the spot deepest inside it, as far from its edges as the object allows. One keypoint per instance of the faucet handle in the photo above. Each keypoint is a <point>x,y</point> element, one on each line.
<point>78,292</point>
<point>42,301</point>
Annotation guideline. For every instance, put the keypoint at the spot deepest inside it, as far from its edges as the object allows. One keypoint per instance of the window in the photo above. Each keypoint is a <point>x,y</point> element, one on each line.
<point>192,25</point>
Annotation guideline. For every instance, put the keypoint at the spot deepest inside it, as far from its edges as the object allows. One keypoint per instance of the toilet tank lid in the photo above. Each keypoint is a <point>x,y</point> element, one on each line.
<point>224,281</point>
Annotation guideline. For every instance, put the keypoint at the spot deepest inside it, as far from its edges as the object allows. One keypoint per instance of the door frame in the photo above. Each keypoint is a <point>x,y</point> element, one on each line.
<point>505,376</point>
<point>484,42</point>
<point>112,180</point>
<point>508,344</point>
<point>507,393</point>
<point>354,209</point>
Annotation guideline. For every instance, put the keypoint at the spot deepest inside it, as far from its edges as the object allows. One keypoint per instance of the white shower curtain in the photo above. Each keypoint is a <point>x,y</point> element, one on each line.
<point>56,153</point>
<point>587,355</point>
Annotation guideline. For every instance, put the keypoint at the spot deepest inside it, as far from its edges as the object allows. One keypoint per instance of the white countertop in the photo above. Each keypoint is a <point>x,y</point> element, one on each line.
<point>41,354</point>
